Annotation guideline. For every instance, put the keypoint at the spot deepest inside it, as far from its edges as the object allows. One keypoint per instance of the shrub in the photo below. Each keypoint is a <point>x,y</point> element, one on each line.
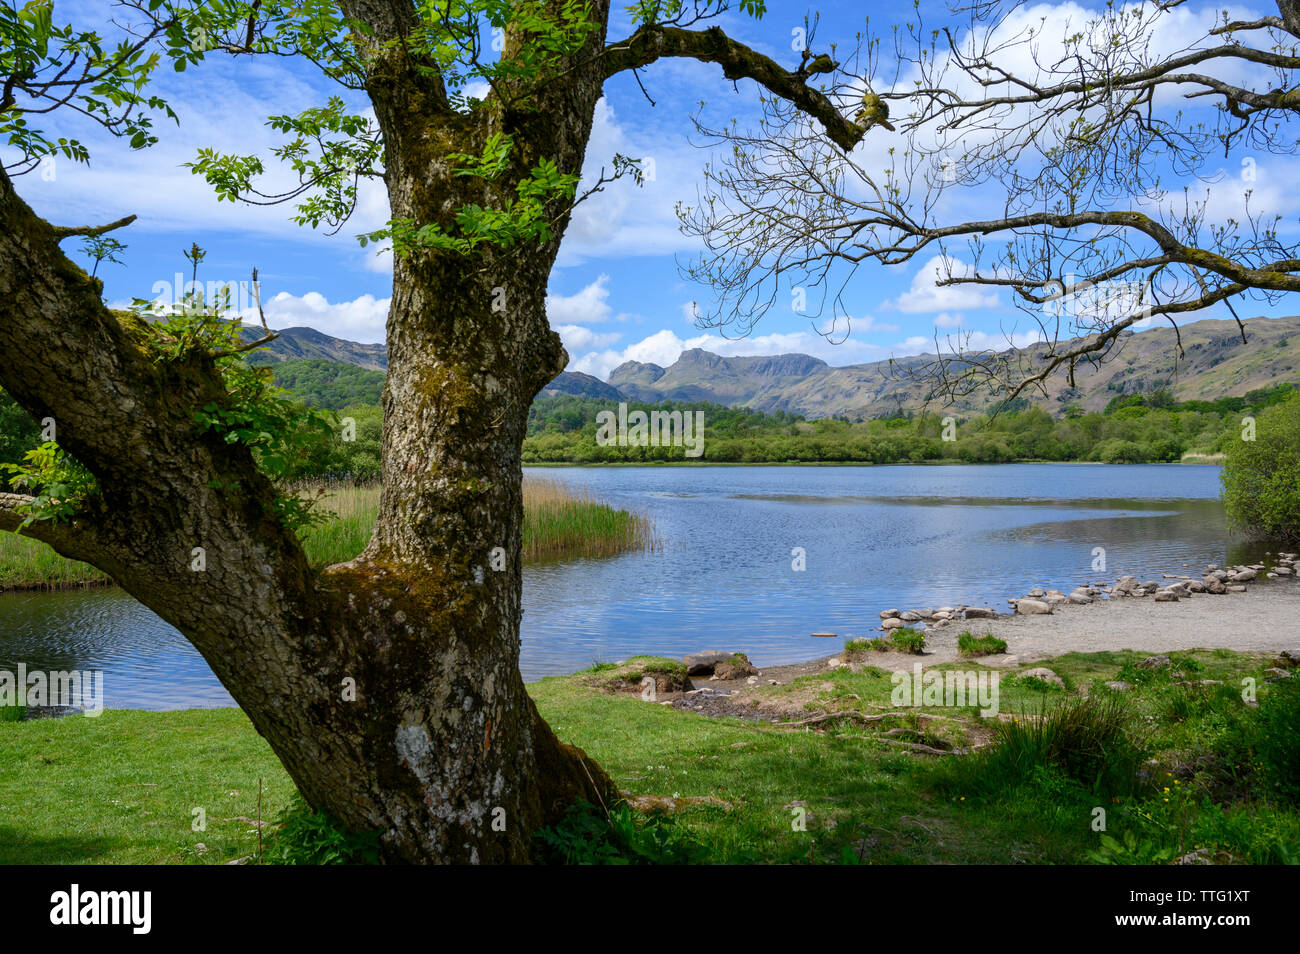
<point>306,837</point>
<point>1275,746</point>
<point>1087,740</point>
<point>1261,478</point>
<point>587,836</point>
<point>902,640</point>
<point>986,645</point>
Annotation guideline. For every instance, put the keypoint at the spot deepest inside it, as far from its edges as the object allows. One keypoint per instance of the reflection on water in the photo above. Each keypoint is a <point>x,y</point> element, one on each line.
<point>874,537</point>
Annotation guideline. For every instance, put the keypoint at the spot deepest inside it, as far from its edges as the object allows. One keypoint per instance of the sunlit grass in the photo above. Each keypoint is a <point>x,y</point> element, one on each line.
<point>30,564</point>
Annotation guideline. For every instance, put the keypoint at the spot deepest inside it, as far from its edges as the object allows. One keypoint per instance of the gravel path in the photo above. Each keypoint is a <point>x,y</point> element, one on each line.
<point>1266,618</point>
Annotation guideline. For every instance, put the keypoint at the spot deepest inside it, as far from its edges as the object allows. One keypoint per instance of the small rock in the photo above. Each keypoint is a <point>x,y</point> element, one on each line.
<point>890,614</point>
<point>1166,596</point>
<point>1244,576</point>
<point>1119,685</point>
<point>980,612</point>
<point>1273,674</point>
<point>1154,662</point>
<point>1032,607</point>
<point>892,622</point>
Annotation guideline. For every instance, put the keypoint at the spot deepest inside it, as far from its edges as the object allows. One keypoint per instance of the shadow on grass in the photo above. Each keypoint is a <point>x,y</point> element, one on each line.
<point>17,847</point>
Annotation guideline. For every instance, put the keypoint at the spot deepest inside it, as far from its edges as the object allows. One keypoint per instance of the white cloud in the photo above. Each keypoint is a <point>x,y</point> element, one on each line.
<point>361,319</point>
<point>625,219</point>
<point>948,320</point>
<point>578,338</point>
<point>588,306</point>
<point>925,296</point>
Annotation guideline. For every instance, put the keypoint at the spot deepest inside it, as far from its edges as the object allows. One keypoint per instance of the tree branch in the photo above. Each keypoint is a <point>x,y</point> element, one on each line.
<point>75,539</point>
<point>65,231</point>
<point>652,42</point>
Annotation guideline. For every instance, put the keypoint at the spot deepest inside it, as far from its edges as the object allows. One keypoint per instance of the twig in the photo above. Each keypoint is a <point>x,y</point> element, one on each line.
<point>268,337</point>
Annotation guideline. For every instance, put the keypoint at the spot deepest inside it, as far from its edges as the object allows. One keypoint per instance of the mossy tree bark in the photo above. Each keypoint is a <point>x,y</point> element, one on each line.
<point>388,686</point>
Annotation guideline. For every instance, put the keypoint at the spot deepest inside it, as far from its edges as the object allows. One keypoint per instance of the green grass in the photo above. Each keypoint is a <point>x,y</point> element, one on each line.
<point>901,640</point>
<point>1210,772</point>
<point>122,787</point>
<point>559,523</point>
<point>986,645</point>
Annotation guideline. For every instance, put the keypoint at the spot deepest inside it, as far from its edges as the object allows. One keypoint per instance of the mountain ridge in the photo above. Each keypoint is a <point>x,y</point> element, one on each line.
<point>1216,364</point>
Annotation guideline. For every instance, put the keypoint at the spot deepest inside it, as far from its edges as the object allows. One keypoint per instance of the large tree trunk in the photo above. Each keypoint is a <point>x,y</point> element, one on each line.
<point>389,686</point>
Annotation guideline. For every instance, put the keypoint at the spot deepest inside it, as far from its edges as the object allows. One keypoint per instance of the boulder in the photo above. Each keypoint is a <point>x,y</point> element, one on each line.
<point>1080,596</point>
<point>1036,592</point>
<point>1032,607</point>
<point>701,664</point>
<point>736,666</point>
<point>980,612</point>
<point>910,617</point>
<point>890,614</point>
<point>892,623</point>
<point>1244,576</point>
<point>1166,596</point>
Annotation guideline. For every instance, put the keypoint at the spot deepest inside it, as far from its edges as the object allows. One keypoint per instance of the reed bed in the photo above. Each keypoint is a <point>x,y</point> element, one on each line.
<point>559,523</point>
<point>562,522</point>
<point>31,565</point>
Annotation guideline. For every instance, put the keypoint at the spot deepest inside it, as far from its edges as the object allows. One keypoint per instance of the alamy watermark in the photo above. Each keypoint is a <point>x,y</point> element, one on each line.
<point>75,688</point>
<point>655,429</point>
<point>949,687</point>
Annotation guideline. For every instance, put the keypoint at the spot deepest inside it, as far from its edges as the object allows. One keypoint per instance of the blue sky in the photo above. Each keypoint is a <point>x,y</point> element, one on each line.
<point>616,292</point>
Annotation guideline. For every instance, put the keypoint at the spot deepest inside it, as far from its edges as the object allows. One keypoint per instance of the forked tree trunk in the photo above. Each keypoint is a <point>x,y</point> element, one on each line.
<point>388,686</point>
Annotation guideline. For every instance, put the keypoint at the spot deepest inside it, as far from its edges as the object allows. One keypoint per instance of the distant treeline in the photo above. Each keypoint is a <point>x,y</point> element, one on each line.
<point>1132,429</point>
<point>327,384</point>
<point>562,429</point>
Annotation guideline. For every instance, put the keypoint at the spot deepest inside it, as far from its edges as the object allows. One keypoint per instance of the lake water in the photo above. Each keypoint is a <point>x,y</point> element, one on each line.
<point>872,538</point>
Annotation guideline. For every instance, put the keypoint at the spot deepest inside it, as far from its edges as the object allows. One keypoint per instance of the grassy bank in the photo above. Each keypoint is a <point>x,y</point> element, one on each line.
<point>1177,764</point>
<point>558,523</point>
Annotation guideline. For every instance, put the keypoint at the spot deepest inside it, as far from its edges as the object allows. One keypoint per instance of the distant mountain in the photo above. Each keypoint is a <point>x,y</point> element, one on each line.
<point>297,343</point>
<point>1216,364</point>
<point>699,375</point>
<point>581,385</point>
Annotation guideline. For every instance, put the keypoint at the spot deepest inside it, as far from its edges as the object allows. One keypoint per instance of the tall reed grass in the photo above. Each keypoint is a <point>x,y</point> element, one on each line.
<point>559,522</point>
